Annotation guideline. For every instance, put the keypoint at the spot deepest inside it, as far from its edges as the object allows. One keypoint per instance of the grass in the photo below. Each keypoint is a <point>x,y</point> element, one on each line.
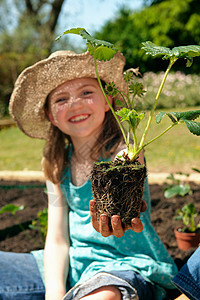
<point>18,151</point>
<point>178,150</point>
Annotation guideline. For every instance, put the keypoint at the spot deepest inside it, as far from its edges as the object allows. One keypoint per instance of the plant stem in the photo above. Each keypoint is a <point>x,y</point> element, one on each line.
<point>111,108</point>
<point>152,140</point>
<point>167,129</point>
<point>172,61</point>
<point>23,229</point>
<point>135,142</point>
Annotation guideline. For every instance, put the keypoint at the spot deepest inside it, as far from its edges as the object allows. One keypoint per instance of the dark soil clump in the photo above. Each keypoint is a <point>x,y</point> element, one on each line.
<point>118,187</point>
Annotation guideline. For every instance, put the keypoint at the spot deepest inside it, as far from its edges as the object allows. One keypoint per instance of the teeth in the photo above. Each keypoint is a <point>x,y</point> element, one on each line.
<point>79,118</point>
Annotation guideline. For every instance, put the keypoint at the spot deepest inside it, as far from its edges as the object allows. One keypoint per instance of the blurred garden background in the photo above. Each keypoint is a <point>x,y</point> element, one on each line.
<point>28,29</point>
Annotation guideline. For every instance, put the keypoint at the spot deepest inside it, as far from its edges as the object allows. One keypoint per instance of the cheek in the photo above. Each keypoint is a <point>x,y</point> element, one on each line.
<point>56,113</point>
<point>90,101</point>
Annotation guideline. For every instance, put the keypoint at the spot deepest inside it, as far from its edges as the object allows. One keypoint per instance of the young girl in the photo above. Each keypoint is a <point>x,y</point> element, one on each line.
<point>59,99</point>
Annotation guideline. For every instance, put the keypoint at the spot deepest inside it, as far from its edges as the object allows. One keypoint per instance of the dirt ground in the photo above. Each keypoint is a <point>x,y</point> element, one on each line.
<point>33,196</point>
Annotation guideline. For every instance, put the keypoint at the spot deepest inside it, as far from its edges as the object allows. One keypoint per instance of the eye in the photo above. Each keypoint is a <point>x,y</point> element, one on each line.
<point>85,93</point>
<point>60,100</point>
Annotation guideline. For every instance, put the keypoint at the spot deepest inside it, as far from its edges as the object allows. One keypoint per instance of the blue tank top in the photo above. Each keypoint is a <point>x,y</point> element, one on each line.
<point>91,253</point>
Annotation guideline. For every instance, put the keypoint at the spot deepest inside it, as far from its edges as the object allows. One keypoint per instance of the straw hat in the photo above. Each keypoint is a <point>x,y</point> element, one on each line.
<point>36,82</point>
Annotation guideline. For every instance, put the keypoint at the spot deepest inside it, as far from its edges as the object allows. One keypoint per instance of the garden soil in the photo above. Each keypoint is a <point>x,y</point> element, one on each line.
<point>32,195</point>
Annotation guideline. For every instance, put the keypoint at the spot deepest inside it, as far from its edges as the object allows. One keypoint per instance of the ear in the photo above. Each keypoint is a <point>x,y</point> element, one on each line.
<point>106,104</point>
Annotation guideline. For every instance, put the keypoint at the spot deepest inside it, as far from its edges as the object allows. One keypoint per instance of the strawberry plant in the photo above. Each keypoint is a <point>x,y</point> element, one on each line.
<point>177,187</point>
<point>114,194</point>
<point>188,215</point>
<point>102,50</point>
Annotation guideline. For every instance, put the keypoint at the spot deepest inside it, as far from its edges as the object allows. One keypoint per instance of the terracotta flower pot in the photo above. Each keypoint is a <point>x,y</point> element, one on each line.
<point>186,240</point>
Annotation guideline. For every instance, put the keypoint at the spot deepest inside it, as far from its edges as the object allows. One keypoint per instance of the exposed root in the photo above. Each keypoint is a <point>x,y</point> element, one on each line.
<point>118,188</point>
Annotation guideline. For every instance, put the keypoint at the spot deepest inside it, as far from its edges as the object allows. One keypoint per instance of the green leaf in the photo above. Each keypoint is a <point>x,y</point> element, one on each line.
<point>119,102</point>
<point>189,209</point>
<point>104,53</point>
<point>102,49</point>
<point>186,51</point>
<point>73,31</point>
<point>161,114</point>
<point>196,170</point>
<point>85,35</point>
<point>182,116</point>
<point>155,50</point>
<point>11,208</point>
<point>187,115</point>
<point>181,190</point>
<point>131,116</point>
<point>194,127</point>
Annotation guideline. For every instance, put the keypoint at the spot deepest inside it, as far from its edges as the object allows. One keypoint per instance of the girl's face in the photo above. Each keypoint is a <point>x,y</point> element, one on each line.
<point>77,107</point>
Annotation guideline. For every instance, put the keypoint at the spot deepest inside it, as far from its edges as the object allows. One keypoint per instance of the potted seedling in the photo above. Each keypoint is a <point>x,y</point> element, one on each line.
<point>188,235</point>
<point>118,186</point>
<point>177,187</point>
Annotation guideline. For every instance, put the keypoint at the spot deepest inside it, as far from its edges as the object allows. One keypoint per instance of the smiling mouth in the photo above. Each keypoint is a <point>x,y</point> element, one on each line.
<point>78,118</point>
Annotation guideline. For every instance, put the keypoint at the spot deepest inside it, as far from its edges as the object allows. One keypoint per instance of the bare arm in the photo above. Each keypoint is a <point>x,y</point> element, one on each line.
<point>57,244</point>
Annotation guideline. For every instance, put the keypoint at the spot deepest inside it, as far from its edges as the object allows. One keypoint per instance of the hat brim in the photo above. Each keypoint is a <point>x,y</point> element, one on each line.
<point>36,82</point>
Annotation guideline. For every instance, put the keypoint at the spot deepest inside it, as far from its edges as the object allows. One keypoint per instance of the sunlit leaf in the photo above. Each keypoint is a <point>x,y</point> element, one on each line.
<point>186,51</point>
<point>104,53</point>
<point>131,116</point>
<point>181,190</point>
<point>85,35</point>
<point>11,208</point>
<point>155,50</point>
<point>73,31</point>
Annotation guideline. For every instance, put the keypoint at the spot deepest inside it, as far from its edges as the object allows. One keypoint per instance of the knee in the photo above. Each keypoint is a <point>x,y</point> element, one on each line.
<point>106,292</point>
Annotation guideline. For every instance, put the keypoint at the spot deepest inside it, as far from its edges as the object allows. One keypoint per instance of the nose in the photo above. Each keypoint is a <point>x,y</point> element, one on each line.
<point>75,103</point>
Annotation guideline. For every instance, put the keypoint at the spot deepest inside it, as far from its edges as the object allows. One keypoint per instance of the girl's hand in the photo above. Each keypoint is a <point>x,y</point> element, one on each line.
<point>117,229</point>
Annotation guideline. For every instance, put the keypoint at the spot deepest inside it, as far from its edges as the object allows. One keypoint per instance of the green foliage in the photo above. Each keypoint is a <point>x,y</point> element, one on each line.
<point>168,23</point>
<point>99,50</point>
<point>196,170</point>
<point>188,216</point>
<point>11,208</point>
<point>40,224</point>
<point>11,64</point>
<point>131,116</point>
<point>187,52</point>
<point>26,39</point>
<point>176,188</point>
<point>185,117</point>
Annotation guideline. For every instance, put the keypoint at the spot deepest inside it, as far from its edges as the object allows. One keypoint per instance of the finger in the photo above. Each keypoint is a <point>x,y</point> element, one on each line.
<point>144,206</point>
<point>104,227</point>
<point>136,225</point>
<point>93,214</point>
<point>116,223</point>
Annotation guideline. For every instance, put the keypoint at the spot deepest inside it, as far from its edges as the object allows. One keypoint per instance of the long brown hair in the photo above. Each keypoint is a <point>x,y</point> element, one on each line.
<point>55,154</point>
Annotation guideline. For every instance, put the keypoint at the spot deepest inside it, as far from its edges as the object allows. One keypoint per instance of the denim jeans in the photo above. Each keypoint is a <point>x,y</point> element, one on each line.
<point>19,277</point>
<point>188,278</point>
<point>131,285</point>
<point>20,280</point>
